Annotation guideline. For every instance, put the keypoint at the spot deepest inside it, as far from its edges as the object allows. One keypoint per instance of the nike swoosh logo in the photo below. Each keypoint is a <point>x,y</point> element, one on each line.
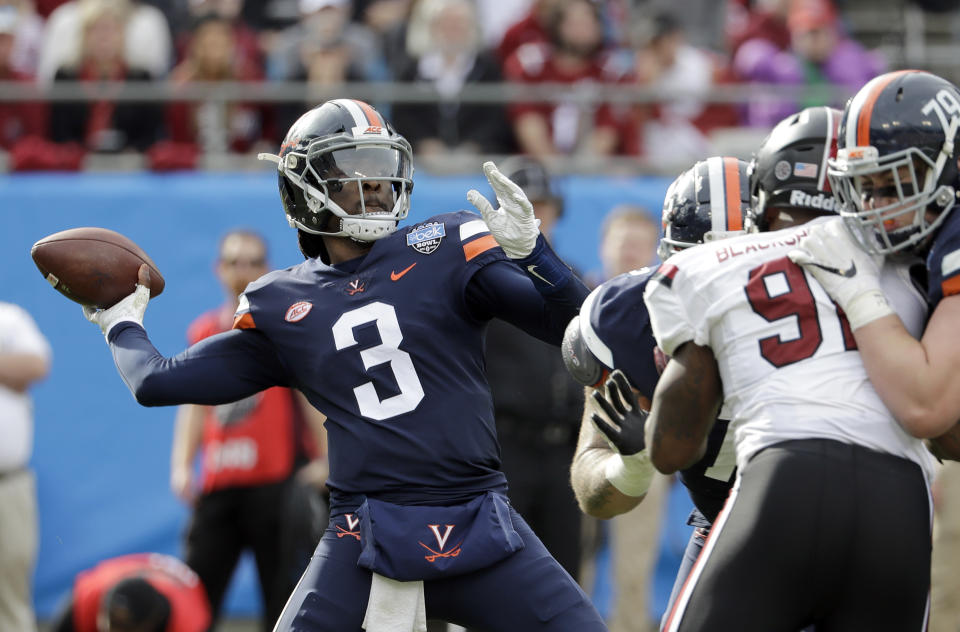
<point>532,269</point>
<point>395,276</point>
<point>848,273</point>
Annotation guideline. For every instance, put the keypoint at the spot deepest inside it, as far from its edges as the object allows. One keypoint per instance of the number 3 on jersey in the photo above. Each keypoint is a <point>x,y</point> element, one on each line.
<point>796,301</point>
<point>388,351</point>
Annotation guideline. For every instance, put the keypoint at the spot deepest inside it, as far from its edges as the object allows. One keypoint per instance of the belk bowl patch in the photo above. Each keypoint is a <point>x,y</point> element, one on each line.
<point>426,237</point>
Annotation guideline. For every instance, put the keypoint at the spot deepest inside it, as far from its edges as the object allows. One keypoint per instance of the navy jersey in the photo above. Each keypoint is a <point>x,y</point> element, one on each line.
<point>616,328</point>
<point>618,333</point>
<point>943,262</point>
<point>388,345</point>
<point>393,357</point>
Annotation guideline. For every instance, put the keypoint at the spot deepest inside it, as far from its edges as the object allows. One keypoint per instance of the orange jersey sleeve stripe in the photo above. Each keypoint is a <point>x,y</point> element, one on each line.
<point>951,286</point>
<point>731,176</point>
<point>479,246</point>
<point>244,321</point>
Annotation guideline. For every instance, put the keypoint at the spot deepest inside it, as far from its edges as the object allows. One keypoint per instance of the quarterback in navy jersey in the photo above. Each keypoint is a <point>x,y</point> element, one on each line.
<point>382,329</point>
<point>897,173</point>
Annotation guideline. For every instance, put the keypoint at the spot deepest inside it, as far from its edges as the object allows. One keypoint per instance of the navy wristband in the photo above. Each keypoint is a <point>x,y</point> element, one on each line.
<point>547,271</point>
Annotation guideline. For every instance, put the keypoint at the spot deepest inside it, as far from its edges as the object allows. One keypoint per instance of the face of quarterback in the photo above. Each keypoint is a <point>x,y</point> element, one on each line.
<point>370,196</point>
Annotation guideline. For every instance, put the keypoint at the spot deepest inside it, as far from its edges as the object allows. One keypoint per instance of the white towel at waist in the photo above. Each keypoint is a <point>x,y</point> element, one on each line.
<point>395,606</point>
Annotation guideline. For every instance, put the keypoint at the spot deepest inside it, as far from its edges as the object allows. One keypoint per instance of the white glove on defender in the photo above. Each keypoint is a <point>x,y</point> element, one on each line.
<point>849,274</point>
<point>129,309</point>
<point>513,224</point>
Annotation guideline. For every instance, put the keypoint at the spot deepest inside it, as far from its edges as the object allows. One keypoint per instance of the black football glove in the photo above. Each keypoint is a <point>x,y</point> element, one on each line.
<point>625,420</point>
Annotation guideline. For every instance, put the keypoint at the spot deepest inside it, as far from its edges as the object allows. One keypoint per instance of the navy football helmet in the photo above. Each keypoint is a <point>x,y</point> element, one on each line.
<point>789,170</point>
<point>342,143</point>
<point>897,142</point>
<point>708,201</point>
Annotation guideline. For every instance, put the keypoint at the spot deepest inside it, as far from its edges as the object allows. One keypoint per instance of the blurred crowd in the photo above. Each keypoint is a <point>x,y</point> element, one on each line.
<point>444,43</point>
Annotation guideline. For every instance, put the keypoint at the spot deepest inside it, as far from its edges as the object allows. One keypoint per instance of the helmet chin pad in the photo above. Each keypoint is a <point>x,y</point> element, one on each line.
<point>363,226</point>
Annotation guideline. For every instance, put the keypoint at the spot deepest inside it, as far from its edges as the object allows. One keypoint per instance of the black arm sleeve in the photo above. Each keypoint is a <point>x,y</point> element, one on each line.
<point>541,304</point>
<point>217,370</point>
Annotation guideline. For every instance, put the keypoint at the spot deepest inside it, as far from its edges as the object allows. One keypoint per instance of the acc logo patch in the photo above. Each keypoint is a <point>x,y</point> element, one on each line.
<point>427,237</point>
<point>298,311</point>
<point>370,130</point>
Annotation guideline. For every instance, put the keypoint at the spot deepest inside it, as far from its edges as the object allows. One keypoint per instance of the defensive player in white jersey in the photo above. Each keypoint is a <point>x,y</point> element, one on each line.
<point>610,471</point>
<point>826,476</point>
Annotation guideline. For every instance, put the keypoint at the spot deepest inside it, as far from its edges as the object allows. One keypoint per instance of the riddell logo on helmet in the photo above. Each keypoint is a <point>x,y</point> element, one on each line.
<point>819,201</point>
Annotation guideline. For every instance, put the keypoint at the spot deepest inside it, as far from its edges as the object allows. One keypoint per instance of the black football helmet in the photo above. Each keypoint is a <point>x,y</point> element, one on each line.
<point>789,170</point>
<point>897,142</point>
<point>708,201</point>
<point>343,142</point>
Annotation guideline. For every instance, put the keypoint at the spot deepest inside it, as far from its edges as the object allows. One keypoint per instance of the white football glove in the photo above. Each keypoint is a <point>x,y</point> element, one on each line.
<point>849,274</point>
<point>513,224</point>
<point>129,309</point>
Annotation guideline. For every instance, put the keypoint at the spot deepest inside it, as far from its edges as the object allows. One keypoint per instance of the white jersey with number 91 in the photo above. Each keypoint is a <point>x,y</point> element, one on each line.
<point>786,354</point>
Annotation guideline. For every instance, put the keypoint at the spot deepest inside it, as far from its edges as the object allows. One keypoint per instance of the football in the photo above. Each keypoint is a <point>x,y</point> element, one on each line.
<point>93,266</point>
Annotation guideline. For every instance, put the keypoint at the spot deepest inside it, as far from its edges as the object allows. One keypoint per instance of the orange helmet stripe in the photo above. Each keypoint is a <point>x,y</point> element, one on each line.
<point>866,110</point>
<point>372,116</point>
<point>731,178</point>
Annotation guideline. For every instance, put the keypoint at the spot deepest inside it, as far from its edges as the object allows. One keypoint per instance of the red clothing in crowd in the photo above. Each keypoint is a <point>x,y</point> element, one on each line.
<point>19,120</point>
<point>528,30</point>
<point>240,124</point>
<point>254,441</point>
<point>46,7</point>
<point>189,610</point>
<point>744,23</point>
<point>535,63</point>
